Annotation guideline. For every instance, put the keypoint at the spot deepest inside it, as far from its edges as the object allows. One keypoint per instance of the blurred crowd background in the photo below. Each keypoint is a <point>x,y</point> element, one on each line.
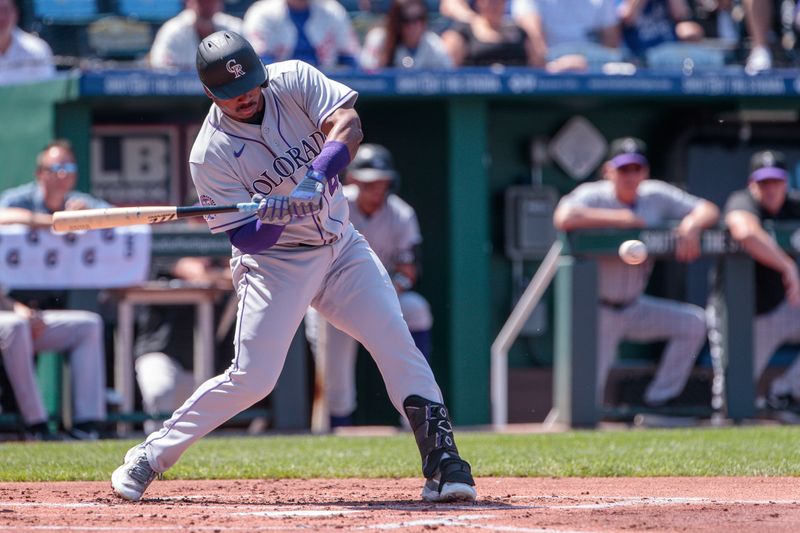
<point>617,36</point>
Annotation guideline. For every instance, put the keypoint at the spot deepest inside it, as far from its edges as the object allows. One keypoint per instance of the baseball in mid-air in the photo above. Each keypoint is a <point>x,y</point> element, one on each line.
<point>633,252</point>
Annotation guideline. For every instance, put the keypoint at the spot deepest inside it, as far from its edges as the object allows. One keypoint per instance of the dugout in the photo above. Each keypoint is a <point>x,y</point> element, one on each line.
<point>460,139</point>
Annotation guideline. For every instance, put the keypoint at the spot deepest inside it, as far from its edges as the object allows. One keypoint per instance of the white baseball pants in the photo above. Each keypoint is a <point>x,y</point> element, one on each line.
<point>80,333</point>
<point>347,284</point>
<point>650,319</point>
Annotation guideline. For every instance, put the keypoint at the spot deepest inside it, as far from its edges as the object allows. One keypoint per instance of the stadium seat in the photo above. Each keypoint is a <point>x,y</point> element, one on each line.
<point>682,56</point>
<point>149,10</point>
<point>64,11</point>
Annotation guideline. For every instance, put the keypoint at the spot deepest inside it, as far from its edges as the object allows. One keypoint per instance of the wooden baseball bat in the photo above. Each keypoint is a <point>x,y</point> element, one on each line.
<point>113,217</point>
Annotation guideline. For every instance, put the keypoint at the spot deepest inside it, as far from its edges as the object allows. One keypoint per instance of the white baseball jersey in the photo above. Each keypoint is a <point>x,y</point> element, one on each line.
<point>392,231</point>
<point>429,53</point>
<point>27,59</point>
<point>176,42</point>
<point>231,160</point>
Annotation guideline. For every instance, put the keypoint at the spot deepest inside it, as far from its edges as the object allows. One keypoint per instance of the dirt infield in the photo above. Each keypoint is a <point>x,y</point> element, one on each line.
<point>505,504</point>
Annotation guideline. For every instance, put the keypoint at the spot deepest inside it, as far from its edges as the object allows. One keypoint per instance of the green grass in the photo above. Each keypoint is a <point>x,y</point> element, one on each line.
<point>745,451</point>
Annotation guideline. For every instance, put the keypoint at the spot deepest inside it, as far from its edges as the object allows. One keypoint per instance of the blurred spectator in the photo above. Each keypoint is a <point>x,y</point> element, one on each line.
<point>777,281</point>
<point>164,346</point>
<point>649,23</point>
<point>489,38</point>
<point>25,330</point>
<point>558,26</point>
<point>391,228</point>
<point>318,32</point>
<point>769,22</point>
<point>404,41</point>
<point>627,199</point>
<point>718,20</point>
<point>24,58</point>
<point>758,15</point>
<point>176,42</point>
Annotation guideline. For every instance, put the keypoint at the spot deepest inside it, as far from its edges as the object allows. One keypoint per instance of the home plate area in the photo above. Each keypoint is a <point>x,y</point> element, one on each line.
<point>527,505</point>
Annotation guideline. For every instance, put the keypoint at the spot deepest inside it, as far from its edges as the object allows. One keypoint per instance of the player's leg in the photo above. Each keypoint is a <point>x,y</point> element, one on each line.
<point>274,293</point>
<point>683,326</point>
<point>418,317</point>
<point>610,326</point>
<point>163,384</point>
<point>16,347</point>
<point>340,351</point>
<point>81,333</point>
<point>359,299</point>
<point>780,326</point>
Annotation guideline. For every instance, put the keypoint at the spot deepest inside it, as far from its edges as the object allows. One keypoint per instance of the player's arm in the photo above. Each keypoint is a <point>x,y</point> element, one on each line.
<point>745,227</point>
<point>568,217</point>
<point>342,130</point>
<point>342,126</point>
<point>704,215</point>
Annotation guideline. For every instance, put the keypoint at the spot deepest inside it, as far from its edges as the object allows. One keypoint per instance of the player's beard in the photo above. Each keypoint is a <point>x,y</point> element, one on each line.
<point>257,114</point>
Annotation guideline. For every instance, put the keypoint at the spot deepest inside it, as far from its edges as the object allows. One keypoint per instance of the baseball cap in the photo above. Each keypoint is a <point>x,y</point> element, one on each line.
<point>372,162</point>
<point>628,151</point>
<point>768,165</point>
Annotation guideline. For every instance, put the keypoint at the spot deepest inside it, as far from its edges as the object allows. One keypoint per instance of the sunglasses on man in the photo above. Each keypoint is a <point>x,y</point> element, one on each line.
<point>70,168</point>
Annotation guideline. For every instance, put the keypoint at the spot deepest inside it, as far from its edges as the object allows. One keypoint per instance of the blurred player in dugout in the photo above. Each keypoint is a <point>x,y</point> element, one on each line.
<point>390,227</point>
<point>766,199</point>
<point>627,198</point>
<point>164,345</point>
<point>37,325</point>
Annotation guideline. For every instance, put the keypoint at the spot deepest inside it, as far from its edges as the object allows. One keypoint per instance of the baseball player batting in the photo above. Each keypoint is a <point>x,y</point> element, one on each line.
<point>390,226</point>
<point>279,134</point>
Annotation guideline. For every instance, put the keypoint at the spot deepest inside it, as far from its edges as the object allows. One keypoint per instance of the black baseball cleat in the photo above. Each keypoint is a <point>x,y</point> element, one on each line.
<point>453,482</point>
<point>448,477</point>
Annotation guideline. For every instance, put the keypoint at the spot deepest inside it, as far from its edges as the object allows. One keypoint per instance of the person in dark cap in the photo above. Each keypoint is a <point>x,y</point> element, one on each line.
<point>777,282</point>
<point>627,198</point>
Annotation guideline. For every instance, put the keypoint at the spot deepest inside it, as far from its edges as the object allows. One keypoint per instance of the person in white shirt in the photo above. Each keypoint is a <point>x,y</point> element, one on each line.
<point>318,32</point>
<point>404,40</point>
<point>24,58</point>
<point>176,42</point>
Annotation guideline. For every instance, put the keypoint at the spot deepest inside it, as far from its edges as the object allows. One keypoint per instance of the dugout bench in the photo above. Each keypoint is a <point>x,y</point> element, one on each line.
<point>574,386</point>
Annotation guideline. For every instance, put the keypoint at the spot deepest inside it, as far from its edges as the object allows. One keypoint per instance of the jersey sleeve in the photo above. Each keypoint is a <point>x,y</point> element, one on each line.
<point>585,195</point>
<point>215,186</point>
<point>677,203</point>
<point>410,235</point>
<point>321,95</point>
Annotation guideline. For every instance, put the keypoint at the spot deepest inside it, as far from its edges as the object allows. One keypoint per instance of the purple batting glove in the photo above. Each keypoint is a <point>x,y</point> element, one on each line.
<point>273,209</point>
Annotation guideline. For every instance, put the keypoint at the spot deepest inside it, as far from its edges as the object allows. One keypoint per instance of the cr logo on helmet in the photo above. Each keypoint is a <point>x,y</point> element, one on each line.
<point>235,68</point>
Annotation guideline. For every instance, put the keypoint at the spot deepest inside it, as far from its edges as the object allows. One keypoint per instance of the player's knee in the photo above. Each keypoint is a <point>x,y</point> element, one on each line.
<point>91,324</point>
<point>252,385</point>
<point>695,327</point>
<point>416,311</point>
<point>14,327</point>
